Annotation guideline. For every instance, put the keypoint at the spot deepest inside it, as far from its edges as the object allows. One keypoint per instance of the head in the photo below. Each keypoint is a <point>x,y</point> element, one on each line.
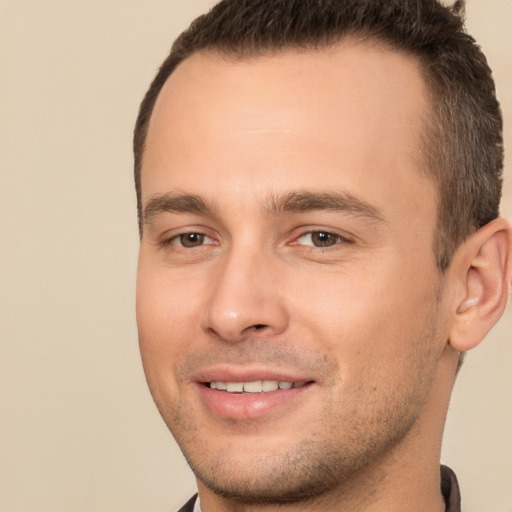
<point>317,241</point>
<point>462,143</point>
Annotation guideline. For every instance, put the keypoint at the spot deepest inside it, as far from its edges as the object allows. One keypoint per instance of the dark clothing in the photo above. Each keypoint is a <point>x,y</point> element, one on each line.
<point>189,506</point>
<point>449,489</point>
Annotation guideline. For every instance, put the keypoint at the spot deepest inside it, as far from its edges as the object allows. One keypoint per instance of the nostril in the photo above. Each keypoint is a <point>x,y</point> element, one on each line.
<point>259,326</point>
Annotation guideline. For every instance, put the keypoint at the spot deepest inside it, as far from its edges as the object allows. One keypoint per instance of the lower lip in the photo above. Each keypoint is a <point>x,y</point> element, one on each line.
<point>246,406</point>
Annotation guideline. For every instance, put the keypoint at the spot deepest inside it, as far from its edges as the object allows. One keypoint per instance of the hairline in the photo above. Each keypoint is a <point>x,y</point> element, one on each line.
<point>429,134</point>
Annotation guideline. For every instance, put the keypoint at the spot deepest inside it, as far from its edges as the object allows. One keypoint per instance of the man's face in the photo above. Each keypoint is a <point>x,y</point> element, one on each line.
<point>287,244</point>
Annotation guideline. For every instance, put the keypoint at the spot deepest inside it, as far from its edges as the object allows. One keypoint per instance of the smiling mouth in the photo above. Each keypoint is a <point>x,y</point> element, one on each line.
<point>257,386</point>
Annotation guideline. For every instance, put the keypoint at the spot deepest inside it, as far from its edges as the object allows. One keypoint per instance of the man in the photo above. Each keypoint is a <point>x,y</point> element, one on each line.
<point>318,185</point>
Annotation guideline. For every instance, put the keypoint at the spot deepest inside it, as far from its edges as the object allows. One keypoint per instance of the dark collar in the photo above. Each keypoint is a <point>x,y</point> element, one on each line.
<point>189,506</point>
<point>450,489</point>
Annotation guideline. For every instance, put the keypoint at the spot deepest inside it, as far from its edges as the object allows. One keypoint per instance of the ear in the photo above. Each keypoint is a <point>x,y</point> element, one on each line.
<point>483,272</point>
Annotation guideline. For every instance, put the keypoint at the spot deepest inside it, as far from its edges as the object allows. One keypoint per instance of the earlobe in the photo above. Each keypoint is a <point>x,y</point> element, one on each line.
<point>484,272</point>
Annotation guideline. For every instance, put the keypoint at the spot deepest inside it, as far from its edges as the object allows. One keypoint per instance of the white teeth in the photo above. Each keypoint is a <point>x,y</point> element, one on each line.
<point>235,387</point>
<point>256,386</point>
<point>253,387</point>
<point>270,385</point>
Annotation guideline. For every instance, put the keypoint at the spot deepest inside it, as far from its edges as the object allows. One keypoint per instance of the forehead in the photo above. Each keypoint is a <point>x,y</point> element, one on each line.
<point>352,113</point>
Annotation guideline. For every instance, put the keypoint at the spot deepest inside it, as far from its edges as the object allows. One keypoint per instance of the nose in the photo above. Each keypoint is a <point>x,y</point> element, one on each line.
<point>246,299</point>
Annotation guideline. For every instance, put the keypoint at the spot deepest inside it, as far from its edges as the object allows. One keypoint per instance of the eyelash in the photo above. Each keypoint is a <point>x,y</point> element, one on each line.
<point>181,236</point>
<point>338,239</point>
<point>335,237</point>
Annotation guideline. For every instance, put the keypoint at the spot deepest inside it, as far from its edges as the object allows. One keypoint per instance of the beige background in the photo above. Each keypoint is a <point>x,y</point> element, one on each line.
<point>78,430</point>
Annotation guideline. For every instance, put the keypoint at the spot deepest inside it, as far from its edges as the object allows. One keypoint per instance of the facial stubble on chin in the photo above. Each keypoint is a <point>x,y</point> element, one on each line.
<point>346,439</point>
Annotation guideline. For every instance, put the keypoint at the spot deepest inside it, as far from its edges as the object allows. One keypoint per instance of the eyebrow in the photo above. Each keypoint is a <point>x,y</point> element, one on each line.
<point>293,202</point>
<point>344,202</point>
<point>176,203</point>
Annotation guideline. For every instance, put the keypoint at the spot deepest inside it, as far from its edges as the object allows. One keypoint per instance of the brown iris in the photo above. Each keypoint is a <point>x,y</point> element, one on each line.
<point>191,239</point>
<point>323,239</point>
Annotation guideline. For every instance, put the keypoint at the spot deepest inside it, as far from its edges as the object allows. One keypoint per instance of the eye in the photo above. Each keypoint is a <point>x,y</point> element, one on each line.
<point>191,240</point>
<point>320,239</point>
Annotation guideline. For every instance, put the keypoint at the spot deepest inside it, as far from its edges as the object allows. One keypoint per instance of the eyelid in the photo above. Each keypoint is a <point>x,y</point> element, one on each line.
<point>169,238</point>
<point>343,238</point>
<point>204,242</point>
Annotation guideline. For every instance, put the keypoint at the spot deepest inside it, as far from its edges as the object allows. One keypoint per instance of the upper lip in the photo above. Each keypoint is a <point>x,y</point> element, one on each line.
<point>249,374</point>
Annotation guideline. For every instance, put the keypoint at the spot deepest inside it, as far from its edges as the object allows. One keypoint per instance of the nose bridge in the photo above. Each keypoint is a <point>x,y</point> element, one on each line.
<point>245,297</point>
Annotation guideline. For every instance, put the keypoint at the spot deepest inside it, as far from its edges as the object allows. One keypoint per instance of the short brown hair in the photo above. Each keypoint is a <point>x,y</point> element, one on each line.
<point>463,142</point>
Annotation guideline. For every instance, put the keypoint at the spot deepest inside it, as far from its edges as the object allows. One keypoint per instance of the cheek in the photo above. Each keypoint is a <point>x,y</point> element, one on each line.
<point>370,319</point>
<point>166,321</point>
<point>385,348</point>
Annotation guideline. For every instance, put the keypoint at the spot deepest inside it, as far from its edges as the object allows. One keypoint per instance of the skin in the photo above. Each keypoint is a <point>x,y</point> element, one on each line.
<point>366,320</point>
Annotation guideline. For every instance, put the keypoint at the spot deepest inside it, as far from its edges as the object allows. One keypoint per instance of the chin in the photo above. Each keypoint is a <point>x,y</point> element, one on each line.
<point>291,472</point>
<point>267,481</point>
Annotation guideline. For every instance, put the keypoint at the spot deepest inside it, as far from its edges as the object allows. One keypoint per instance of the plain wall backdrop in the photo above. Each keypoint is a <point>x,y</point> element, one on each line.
<point>78,429</point>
